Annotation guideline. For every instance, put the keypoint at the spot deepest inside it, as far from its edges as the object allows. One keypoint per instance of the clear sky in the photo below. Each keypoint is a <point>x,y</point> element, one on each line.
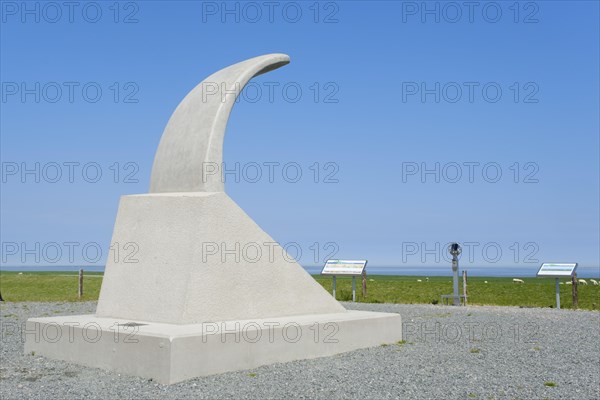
<point>378,93</point>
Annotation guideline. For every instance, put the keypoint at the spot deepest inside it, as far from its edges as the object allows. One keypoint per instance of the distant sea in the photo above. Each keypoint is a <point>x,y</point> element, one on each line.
<point>495,271</point>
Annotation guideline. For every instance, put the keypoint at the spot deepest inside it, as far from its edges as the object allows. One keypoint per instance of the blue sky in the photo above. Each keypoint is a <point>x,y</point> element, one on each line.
<point>507,88</point>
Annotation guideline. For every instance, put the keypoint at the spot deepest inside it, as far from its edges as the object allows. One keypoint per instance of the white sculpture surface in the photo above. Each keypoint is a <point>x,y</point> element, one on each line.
<point>194,135</point>
<point>203,289</point>
<point>201,258</point>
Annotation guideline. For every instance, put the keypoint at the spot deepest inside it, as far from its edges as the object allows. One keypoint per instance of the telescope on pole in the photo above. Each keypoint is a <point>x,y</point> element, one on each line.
<point>455,250</point>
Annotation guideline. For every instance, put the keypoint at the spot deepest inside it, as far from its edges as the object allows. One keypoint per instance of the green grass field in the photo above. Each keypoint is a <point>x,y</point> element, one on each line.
<point>48,286</point>
<point>535,292</point>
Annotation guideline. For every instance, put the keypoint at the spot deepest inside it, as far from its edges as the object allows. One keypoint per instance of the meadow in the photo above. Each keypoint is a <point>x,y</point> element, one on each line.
<point>535,292</point>
<point>48,286</point>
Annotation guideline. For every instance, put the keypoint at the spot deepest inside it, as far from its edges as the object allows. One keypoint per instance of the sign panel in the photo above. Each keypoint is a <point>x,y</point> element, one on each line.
<point>344,267</point>
<point>557,269</point>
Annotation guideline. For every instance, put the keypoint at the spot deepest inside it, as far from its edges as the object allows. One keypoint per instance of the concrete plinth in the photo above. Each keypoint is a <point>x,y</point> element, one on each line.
<point>170,353</point>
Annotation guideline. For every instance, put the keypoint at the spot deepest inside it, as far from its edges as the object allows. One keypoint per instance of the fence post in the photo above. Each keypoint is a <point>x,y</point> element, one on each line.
<point>81,283</point>
<point>364,283</point>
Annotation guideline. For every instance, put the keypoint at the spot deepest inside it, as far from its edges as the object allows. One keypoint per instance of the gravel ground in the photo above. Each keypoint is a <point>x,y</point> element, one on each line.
<point>449,353</point>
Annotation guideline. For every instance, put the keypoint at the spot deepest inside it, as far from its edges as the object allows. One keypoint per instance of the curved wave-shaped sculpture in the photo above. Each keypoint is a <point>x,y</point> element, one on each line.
<point>193,137</point>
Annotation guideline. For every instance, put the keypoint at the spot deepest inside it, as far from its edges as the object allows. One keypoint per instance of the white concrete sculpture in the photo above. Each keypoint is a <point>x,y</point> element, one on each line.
<point>194,135</point>
<point>210,292</point>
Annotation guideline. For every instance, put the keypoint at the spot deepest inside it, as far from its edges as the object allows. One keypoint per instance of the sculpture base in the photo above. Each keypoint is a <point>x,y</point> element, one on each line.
<point>198,257</point>
<point>170,353</point>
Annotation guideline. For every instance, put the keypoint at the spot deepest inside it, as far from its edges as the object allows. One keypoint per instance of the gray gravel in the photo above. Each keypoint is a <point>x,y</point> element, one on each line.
<point>450,353</point>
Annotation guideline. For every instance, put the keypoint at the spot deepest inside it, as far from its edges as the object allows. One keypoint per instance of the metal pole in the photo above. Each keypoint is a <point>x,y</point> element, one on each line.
<point>465,285</point>
<point>334,286</point>
<point>574,290</point>
<point>455,280</point>
<point>353,287</point>
<point>557,295</point>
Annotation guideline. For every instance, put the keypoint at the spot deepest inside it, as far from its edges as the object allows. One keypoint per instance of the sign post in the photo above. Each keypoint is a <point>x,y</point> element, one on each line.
<point>557,294</point>
<point>574,290</point>
<point>556,271</point>
<point>352,268</point>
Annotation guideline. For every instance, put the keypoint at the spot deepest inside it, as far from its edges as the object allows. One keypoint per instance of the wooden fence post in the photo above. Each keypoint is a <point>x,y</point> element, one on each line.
<point>575,297</point>
<point>81,283</point>
<point>364,283</point>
